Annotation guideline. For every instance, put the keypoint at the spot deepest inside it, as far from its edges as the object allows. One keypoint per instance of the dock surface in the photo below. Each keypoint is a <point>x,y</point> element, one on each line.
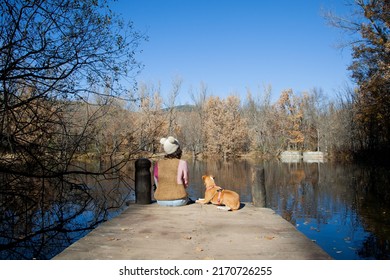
<point>194,232</point>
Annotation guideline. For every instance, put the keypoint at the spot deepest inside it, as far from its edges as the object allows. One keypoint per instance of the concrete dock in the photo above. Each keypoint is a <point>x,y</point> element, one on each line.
<point>194,232</point>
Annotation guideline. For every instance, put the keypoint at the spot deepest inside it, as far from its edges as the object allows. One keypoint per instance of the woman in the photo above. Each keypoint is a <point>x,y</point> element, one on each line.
<point>171,175</point>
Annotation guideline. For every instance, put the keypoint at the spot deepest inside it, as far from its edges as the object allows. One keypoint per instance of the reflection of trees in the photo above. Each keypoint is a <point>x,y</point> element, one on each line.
<point>375,248</point>
<point>348,197</point>
<point>39,218</point>
<point>372,186</point>
<point>299,190</point>
<point>31,214</point>
<point>360,197</point>
<point>230,174</point>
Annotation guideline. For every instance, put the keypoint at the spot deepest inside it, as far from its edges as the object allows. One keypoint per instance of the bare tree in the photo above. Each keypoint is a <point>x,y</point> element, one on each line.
<point>176,86</point>
<point>314,111</point>
<point>54,56</point>
<point>261,122</point>
<point>191,121</point>
<point>54,53</point>
<point>150,119</point>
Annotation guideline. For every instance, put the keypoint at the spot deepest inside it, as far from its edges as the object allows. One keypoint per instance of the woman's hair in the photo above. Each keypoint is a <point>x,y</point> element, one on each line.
<point>177,154</point>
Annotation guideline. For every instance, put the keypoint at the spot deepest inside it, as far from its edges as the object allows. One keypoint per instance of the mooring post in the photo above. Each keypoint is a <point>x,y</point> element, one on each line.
<point>143,181</point>
<point>258,187</point>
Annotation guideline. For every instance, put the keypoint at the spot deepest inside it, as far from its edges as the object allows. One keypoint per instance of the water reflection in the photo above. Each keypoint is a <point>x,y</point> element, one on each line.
<point>343,208</point>
<point>41,217</point>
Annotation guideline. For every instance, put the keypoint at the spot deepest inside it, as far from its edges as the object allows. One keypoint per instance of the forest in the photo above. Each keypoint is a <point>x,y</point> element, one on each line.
<point>228,127</point>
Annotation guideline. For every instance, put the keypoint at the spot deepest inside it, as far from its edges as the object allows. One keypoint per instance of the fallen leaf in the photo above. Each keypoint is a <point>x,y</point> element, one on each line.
<point>269,237</point>
<point>199,249</point>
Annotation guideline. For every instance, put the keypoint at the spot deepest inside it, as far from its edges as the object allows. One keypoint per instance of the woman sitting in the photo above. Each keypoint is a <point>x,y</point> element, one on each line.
<point>171,175</point>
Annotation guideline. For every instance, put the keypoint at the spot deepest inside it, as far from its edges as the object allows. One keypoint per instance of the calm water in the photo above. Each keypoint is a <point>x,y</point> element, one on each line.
<point>343,208</point>
<point>40,218</point>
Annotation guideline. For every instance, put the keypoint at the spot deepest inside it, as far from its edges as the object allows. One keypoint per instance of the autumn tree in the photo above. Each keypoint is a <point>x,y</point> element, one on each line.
<point>290,115</point>
<point>369,25</point>
<point>226,131</point>
<point>371,71</point>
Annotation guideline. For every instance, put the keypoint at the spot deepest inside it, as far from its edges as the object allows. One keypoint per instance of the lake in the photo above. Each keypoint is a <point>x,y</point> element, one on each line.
<point>344,208</point>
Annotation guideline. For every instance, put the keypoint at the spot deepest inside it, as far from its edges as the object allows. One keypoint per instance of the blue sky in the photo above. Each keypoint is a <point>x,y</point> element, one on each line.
<point>234,45</point>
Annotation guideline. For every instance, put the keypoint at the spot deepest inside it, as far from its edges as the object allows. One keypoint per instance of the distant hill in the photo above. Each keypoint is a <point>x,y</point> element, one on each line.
<point>182,108</point>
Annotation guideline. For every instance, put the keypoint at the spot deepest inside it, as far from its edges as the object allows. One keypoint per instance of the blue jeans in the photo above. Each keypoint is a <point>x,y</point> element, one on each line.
<point>173,203</point>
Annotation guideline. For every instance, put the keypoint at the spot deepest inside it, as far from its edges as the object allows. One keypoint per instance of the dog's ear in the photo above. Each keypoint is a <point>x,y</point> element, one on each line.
<point>204,177</point>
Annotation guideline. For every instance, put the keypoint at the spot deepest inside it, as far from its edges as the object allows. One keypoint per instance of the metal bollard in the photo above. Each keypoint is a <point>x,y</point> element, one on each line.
<point>143,181</point>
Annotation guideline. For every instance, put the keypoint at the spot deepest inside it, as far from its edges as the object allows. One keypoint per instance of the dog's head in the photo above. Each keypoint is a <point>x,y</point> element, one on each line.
<point>208,180</point>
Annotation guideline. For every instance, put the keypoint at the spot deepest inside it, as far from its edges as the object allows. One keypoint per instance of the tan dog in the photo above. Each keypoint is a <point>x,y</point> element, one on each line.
<point>218,196</point>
